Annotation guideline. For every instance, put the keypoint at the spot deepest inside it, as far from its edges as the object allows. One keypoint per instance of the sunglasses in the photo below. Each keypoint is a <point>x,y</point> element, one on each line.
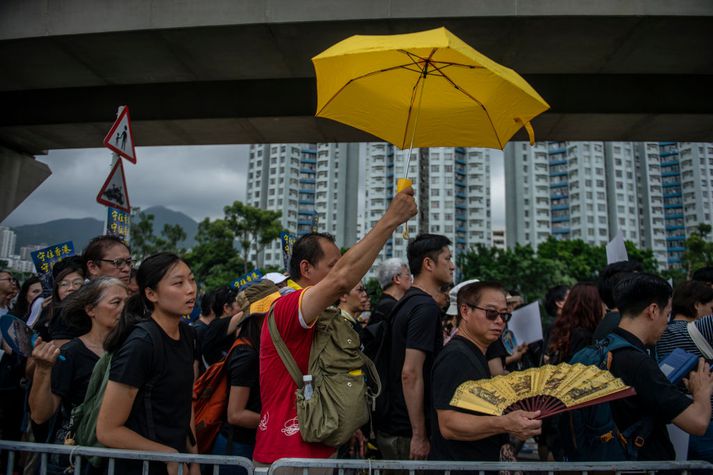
<point>492,314</point>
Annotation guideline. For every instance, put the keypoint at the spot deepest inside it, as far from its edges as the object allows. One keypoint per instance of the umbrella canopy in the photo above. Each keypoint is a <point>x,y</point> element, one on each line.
<point>429,82</point>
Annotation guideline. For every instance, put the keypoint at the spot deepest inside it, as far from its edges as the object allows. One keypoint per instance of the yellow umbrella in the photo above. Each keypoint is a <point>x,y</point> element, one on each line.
<point>427,89</point>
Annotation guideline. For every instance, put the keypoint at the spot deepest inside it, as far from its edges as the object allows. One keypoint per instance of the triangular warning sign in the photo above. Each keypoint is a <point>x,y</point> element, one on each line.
<point>114,192</point>
<point>120,138</point>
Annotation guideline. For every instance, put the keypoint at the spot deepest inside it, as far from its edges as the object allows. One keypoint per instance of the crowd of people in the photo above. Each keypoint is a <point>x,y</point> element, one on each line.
<point>437,337</point>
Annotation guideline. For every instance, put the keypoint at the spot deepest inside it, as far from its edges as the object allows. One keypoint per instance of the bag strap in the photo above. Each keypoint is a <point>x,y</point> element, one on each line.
<point>700,341</point>
<point>287,359</point>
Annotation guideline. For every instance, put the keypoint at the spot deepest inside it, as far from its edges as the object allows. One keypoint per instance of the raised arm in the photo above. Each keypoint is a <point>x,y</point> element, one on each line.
<point>43,402</point>
<point>352,266</point>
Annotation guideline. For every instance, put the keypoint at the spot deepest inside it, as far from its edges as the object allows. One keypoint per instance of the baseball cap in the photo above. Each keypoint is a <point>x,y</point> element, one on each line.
<point>275,277</point>
<point>258,297</point>
<point>453,307</point>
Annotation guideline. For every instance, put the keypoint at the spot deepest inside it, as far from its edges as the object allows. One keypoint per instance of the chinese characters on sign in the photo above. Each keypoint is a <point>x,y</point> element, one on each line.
<point>287,240</point>
<point>117,223</point>
<point>247,279</point>
<point>46,258</point>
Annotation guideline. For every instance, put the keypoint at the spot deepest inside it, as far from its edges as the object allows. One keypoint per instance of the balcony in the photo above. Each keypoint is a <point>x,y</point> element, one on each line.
<point>560,207</point>
<point>562,173</point>
<point>668,153</point>
<point>676,238</point>
<point>554,163</point>
<point>671,185</point>
<point>675,227</point>
<point>560,219</point>
<point>560,184</point>
<point>669,163</point>
<point>553,151</point>
<point>559,197</point>
<point>560,230</point>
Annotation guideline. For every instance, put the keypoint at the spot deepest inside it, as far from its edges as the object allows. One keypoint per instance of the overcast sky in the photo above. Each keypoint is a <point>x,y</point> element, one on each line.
<point>198,181</point>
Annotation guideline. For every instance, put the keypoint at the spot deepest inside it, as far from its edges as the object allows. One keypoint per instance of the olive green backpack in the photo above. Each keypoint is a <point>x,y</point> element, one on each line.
<point>345,381</point>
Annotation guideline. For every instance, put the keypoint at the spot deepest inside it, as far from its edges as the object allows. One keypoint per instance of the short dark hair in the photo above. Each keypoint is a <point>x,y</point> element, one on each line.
<point>611,275</point>
<point>704,274</point>
<point>307,248</point>
<point>207,302</point>
<point>639,290</point>
<point>223,296</point>
<point>97,247</point>
<point>687,295</point>
<point>554,294</point>
<point>423,246</point>
<point>471,294</point>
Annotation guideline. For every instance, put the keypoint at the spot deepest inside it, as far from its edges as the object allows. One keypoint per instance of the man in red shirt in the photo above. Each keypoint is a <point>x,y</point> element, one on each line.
<point>323,275</point>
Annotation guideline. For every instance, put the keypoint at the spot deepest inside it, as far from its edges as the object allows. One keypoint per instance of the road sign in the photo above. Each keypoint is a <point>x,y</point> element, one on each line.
<point>120,138</point>
<point>114,192</point>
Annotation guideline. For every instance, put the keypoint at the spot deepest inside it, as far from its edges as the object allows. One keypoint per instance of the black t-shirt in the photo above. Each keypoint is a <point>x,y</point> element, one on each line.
<point>244,371</point>
<point>607,325</point>
<point>416,325</point>
<point>655,396</point>
<point>216,341</point>
<point>70,377</point>
<point>578,339</point>
<point>453,367</point>
<point>382,309</point>
<point>497,350</point>
<point>163,373</point>
<point>59,329</point>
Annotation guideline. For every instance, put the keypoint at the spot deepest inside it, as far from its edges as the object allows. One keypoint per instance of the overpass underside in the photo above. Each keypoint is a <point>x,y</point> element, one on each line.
<point>240,72</point>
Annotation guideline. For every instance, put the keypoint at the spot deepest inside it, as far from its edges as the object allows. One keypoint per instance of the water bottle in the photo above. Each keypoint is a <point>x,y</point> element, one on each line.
<point>307,390</point>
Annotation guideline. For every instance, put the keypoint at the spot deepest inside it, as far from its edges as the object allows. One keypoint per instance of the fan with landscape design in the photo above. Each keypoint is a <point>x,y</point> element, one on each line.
<point>549,389</point>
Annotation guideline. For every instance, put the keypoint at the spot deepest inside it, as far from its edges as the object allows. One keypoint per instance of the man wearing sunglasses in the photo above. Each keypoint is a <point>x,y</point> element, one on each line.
<point>458,434</point>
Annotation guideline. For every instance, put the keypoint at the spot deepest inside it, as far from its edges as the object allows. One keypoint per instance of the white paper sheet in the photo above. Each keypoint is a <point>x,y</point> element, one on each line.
<point>616,250</point>
<point>679,439</point>
<point>526,323</point>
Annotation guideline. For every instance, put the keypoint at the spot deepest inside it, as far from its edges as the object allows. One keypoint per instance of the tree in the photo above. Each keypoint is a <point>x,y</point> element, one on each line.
<point>214,259</point>
<point>254,228</point>
<point>145,243</point>
<point>699,252</point>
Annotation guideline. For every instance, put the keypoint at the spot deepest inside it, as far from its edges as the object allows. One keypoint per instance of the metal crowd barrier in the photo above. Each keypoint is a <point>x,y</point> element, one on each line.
<point>375,467</point>
<point>76,453</point>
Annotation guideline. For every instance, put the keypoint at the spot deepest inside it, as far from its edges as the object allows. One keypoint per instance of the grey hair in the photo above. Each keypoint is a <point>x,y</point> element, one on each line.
<point>387,270</point>
<point>90,294</point>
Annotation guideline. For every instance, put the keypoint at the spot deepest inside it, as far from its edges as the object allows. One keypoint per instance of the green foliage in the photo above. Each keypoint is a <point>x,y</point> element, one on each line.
<point>374,290</point>
<point>253,228</point>
<point>699,252</point>
<point>144,242</point>
<point>555,262</point>
<point>214,260</point>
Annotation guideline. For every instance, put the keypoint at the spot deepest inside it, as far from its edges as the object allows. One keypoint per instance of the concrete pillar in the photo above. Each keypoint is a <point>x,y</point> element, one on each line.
<point>20,175</point>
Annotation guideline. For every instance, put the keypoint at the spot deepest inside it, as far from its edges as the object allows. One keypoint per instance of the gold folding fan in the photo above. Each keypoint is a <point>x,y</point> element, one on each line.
<point>549,389</point>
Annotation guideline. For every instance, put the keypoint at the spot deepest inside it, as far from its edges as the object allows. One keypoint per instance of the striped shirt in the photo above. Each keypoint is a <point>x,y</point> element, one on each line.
<point>676,336</point>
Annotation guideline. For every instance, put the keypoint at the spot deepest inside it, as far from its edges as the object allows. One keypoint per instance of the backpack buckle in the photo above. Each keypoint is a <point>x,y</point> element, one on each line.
<point>607,437</point>
<point>639,441</point>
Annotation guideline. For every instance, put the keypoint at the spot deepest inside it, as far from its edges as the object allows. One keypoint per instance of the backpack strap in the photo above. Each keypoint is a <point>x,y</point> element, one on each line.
<point>151,327</point>
<point>700,341</point>
<point>388,322</point>
<point>287,359</point>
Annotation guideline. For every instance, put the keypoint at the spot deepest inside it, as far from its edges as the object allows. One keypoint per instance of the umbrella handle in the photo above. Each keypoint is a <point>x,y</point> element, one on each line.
<point>401,185</point>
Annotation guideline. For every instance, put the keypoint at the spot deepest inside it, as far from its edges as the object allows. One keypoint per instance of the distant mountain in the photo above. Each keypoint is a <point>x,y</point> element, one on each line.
<point>80,231</point>
<point>164,215</point>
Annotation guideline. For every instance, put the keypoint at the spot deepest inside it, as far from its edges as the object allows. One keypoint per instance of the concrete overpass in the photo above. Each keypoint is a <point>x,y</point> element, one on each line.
<point>239,71</point>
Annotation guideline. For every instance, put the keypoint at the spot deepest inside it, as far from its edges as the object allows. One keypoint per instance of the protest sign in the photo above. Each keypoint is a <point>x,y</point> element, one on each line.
<point>526,324</point>
<point>616,249</point>
<point>253,276</point>
<point>287,240</point>
<point>117,223</point>
<point>45,259</point>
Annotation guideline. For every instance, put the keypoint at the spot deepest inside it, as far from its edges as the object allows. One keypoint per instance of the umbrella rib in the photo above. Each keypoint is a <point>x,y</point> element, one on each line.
<point>371,73</point>
<point>465,93</point>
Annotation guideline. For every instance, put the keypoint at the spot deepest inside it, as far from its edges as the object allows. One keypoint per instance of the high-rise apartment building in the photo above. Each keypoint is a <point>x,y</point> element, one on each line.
<point>528,196</point>
<point>452,191</point>
<point>314,186</point>
<point>7,242</point>
<point>655,194</point>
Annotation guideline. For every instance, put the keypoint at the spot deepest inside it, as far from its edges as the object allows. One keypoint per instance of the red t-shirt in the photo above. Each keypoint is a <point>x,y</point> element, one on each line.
<point>278,434</point>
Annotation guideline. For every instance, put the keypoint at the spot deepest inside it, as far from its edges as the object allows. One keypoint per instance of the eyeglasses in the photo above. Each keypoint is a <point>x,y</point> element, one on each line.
<point>118,263</point>
<point>65,284</point>
<point>492,314</point>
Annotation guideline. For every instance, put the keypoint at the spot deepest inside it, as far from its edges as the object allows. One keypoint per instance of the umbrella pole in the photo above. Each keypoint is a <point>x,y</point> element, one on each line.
<point>405,233</point>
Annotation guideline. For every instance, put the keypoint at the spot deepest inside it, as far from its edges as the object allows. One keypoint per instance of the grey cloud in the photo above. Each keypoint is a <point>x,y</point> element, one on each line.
<point>198,181</point>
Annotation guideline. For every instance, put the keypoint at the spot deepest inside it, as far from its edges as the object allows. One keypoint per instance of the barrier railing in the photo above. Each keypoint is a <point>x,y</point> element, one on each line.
<point>75,453</point>
<point>336,466</point>
<point>375,467</point>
